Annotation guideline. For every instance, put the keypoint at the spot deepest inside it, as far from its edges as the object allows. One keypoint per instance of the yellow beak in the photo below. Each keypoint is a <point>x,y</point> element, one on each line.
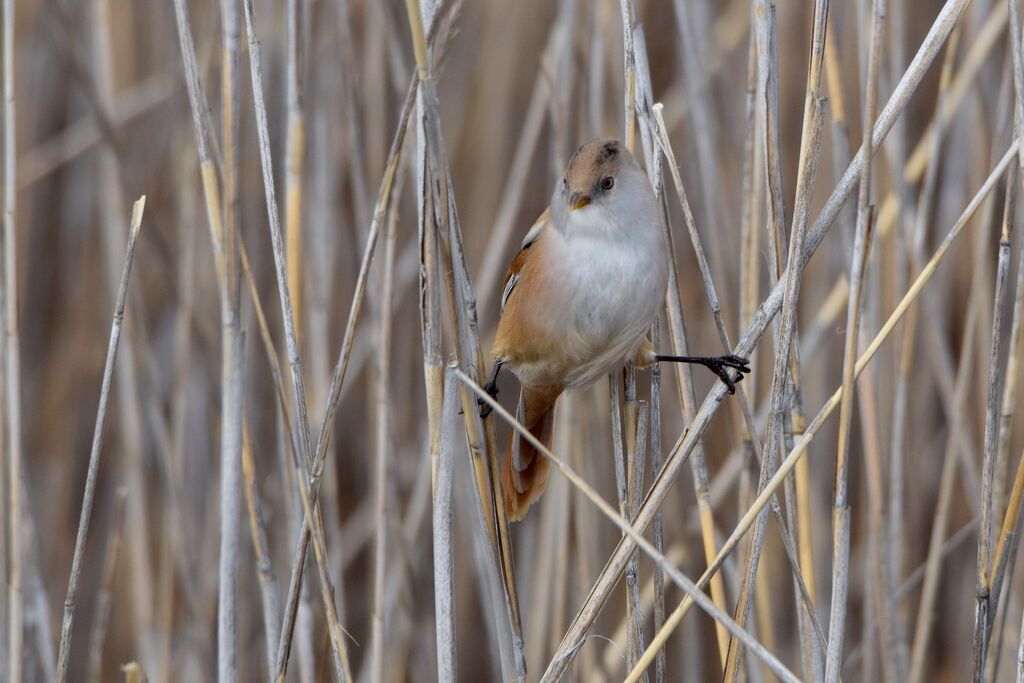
<point>578,201</point>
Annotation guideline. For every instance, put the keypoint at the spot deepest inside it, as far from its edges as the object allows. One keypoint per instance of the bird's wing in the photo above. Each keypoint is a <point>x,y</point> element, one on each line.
<point>514,271</point>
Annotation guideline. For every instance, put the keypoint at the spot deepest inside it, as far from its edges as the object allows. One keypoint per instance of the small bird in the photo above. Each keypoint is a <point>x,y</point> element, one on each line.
<point>579,300</point>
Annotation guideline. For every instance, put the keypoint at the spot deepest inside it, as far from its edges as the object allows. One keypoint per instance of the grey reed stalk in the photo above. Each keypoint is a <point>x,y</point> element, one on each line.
<point>97,444</point>
<point>232,355</point>
<point>443,478</point>
<point>861,246</point>
<point>12,360</point>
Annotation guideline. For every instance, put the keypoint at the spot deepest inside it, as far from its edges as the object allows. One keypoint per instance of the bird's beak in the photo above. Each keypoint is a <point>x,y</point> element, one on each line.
<point>578,200</point>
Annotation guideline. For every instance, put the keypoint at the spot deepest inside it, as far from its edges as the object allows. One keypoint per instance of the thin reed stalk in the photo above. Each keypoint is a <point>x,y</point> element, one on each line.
<point>383,204</point>
<point>684,382</point>
<point>231,486</point>
<point>443,474</point>
<point>624,409</point>
<point>98,82</point>
<point>1008,400</point>
<point>929,591</point>
<point>440,399</point>
<point>295,153</point>
<point>906,357</point>
<point>1020,653</point>
<point>986,599</point>
<point>859,261</point>
<point>97,443</point>
<point>382,475</point>
<point>462,306</point>
<point>657,527</point>
<point>12,362</point>
<point>339,649</point>
<point>232,356</point>
<point>785,345</point>
<point>990,574</point>
<point>269,595</point>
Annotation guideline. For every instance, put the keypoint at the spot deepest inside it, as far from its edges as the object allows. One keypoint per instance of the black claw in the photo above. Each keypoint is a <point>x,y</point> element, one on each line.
<point>492,390</point>
<point>736,362</point>
<point>721,366</point>
<point>723,374</point>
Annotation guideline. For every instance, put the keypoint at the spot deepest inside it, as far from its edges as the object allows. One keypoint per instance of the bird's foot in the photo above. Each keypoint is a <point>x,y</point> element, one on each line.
<point>721,365</point>
<point>492,390</point>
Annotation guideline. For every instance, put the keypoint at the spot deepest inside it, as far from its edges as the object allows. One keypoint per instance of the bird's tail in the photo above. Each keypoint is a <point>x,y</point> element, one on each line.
<point>526,470</point>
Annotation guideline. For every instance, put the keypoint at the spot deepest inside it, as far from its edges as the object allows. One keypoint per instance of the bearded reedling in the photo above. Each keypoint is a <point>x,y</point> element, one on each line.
<point>579,299</point>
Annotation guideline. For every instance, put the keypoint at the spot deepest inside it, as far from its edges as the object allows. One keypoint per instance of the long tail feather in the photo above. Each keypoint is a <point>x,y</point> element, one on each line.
<point>526,470</point>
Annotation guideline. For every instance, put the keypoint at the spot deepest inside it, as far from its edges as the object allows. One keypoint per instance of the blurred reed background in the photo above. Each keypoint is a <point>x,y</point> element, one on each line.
<point>888,549</point>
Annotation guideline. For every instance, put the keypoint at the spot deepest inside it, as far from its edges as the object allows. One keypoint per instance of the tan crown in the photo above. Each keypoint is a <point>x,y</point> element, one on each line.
<point>594,161</point>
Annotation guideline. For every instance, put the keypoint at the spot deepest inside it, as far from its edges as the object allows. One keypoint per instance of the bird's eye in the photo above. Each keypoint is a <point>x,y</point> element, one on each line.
<point>607,183</point>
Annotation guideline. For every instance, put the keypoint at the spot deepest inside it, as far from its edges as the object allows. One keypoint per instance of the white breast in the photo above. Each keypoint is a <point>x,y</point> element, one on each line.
<point>611,285</point>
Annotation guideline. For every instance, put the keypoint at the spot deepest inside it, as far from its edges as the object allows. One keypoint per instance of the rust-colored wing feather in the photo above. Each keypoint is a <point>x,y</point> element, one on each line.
<point>521,328</point>
<point>514,271</point>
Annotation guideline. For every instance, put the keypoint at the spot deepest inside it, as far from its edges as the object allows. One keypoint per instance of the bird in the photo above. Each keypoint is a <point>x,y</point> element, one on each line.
<point>579,301</point>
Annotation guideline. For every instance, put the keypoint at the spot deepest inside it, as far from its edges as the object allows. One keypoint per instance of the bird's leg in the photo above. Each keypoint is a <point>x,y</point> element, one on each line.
<point>720,365</point>
<point>491,388</point>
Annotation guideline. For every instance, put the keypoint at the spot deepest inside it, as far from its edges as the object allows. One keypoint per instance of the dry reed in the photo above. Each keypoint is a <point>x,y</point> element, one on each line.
<point>305,490</point>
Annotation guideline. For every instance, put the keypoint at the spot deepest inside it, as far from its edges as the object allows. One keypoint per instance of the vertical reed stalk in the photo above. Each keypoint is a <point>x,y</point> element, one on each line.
<point>295,154</point>
<point>12,360</point>
<point>339,649</point>
<point>443,474</point>
<point>929,591</point>
<point>624,427</point>
<point>462,306</point>
<point>383,444</point>
<point>383,205</point>
<point>232,356</point>
<point>271,599</point>
<point>810,149</point>
<point>859,260</point>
